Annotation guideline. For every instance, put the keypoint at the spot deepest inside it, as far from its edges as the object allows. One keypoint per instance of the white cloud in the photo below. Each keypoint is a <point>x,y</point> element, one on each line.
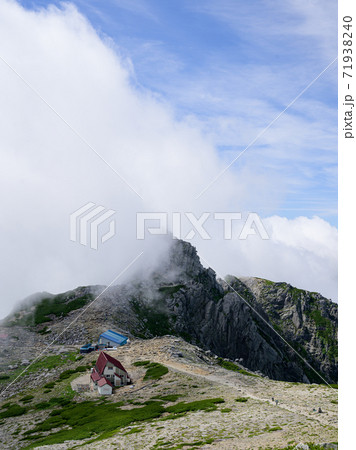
<point>301,251</point>
<point>47,172</point>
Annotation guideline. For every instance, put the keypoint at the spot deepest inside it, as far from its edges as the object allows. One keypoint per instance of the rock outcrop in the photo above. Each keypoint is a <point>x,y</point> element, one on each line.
<point>283,332</point>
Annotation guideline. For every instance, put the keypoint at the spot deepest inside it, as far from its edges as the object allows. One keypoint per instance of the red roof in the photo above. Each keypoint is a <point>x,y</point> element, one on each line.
<point>103,359</point>
<point>94,375</point>
<point>103,381</point>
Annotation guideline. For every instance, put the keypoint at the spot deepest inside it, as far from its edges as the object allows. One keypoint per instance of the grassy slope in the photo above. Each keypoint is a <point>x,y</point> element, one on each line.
<point>62,415</point>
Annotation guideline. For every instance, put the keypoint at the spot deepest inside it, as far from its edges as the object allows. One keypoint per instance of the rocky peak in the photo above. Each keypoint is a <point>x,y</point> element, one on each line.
<point>183,298</point>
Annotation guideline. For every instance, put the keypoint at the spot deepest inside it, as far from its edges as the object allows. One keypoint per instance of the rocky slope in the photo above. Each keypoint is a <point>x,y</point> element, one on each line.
<point>183,298</point>
<point>252,412</point>
<point>306,319</point>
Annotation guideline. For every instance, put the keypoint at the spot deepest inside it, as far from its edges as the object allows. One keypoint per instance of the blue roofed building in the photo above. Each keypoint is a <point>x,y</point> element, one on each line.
<point>112,339</point>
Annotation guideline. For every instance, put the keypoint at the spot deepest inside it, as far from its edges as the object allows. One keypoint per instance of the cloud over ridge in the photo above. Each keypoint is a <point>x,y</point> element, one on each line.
<point>47,172</point>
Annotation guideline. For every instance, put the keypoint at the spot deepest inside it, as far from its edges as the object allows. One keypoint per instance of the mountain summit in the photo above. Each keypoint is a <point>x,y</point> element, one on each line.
<point>276,329</point>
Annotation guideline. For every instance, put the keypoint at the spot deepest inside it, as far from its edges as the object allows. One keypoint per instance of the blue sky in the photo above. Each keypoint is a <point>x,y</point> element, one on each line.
<point>169,93</point>
<point>230,67</point>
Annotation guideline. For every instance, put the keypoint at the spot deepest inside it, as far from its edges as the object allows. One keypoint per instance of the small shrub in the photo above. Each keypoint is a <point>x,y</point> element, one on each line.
<point>152,402</point>
<point>241,399</point>
<point>13,411</point>
<point>44,330</point>
<point>42,405</point>
<point>155,371</point>
<point>141,363</point>
<point>26,399</point>
<point>228,365</point>
<point>32,438</point>
<point>49,385</point>
<point>66,374</point>
<point>62,401</point>
<point>7,405</point>
<point>133,430</point>
<point>276,428</point>
<point>200,405</point>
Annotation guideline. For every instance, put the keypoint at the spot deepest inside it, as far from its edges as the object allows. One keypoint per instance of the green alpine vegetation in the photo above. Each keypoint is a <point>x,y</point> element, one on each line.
<point>86,418</point>
<point>49,308</point>
<point>154,370</point>
<point>241,399</point>
<point>234,367</point>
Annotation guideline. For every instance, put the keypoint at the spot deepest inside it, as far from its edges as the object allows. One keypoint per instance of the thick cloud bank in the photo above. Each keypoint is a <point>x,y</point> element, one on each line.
<point>66,85</point>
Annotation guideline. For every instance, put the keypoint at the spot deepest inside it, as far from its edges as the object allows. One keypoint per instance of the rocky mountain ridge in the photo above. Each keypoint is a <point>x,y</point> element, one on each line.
<point>257,322</point>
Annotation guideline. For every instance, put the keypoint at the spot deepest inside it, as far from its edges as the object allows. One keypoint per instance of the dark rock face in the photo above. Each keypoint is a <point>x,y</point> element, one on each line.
<point>255,321</point>
<point>306,319</point>
<point>216,315</point>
